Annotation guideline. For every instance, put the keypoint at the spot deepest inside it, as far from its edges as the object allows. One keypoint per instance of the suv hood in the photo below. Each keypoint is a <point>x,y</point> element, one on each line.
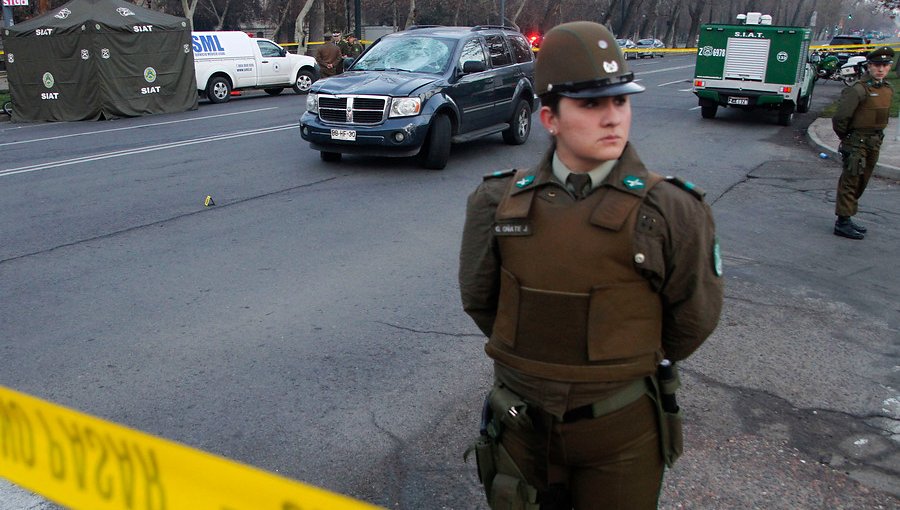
<point>379,83</point>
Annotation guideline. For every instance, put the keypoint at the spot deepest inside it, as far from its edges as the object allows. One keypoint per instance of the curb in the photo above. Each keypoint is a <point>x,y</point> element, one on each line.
<point>881,169</point>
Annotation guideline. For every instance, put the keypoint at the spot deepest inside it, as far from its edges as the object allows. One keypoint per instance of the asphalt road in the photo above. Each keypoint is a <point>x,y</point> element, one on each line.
<point>309,322</point>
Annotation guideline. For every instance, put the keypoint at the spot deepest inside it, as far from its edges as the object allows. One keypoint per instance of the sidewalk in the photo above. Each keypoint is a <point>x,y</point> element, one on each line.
<point>823,136</point>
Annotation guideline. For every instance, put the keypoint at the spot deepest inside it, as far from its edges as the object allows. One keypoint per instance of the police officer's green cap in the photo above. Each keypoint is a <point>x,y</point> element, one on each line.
<point>883,55</point>
<point>581,59</point>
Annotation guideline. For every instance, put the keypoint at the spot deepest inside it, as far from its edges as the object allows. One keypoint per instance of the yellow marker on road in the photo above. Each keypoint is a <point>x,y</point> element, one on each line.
<point>209,201</point>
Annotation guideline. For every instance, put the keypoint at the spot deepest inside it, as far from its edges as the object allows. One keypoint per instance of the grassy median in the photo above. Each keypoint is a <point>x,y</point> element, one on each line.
<point>895,103</point>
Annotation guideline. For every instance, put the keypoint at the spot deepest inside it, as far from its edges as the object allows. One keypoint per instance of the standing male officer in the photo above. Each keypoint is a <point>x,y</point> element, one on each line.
<point>329,58</point>
<point>861,117</point>
<point>585,271</point>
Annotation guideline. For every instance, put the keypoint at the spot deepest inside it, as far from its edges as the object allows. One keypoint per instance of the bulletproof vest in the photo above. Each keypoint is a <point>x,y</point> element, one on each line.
<point>872,112</point>
<point>572,306</point>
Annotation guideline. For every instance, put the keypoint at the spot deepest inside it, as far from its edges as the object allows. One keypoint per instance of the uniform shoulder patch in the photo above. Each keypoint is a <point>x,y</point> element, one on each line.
<point>500,173</point>
<point>688,186</point>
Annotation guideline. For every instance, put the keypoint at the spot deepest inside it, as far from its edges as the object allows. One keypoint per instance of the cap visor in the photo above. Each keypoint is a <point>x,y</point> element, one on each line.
<point>619,89</point>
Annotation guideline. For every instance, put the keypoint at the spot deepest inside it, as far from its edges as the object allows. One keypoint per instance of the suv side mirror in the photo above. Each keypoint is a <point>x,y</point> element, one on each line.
<point>283,52</point>
<point>473,66</point>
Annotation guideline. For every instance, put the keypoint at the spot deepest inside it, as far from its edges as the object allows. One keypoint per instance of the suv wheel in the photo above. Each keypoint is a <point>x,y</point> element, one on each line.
<point>520,126</point>
<point>436,151</point>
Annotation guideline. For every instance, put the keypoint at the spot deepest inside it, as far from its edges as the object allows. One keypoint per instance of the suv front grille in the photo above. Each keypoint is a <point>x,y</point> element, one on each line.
<point>352,109</point>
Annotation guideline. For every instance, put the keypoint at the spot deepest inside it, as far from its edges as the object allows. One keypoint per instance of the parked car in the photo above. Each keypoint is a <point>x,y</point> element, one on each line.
<point>415,92</point>
<point>648,47</point>
<point>844,54</point>
<point>627,44</point>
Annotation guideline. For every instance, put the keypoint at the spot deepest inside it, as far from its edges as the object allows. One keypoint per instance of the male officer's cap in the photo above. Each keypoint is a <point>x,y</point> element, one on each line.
<point>883,55</point>
<point>581,59</point>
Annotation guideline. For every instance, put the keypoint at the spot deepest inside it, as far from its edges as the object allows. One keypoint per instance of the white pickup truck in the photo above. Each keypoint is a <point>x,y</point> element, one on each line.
<point>226,61</point>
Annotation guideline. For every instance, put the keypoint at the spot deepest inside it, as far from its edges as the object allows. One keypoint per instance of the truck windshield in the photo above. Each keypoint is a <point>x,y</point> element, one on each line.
<point>413,54</point>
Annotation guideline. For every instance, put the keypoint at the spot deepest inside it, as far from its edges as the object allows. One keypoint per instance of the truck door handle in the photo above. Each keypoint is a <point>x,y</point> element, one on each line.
<point>265,61</point>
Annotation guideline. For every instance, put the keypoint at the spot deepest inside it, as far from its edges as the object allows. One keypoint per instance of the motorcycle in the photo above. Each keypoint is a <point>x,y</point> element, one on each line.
<point>827,67</point>
<point>853,70</point>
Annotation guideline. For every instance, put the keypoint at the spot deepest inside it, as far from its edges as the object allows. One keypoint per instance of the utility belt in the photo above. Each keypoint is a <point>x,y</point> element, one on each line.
<point>503,481</point>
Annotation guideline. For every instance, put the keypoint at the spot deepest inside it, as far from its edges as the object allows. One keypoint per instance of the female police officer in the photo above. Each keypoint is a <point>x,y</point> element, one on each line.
<point>585,272</point>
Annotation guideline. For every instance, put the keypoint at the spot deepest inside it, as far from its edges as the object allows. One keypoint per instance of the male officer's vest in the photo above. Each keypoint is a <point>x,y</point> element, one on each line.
<point>872,112</point>
<point>572,307</point>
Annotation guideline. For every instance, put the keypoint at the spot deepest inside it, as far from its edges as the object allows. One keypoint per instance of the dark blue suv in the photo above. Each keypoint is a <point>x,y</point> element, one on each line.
<point>413,93</point>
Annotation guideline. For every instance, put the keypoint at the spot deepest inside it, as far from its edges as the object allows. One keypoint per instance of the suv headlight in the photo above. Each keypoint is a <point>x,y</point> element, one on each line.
<point>405,106</point>
<point>312,103</point>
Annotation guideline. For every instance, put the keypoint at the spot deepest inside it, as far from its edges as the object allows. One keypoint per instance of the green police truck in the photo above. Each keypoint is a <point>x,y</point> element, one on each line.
<point>754,64</point>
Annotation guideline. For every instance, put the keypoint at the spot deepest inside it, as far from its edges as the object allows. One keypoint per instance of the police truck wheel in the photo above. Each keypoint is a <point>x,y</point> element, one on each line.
<point>786,115</point>
<point>520,127</point>
<point>218,90</point>
<point>850,80</point>
<point>274,91</point>
<point>303,82</point>
<point>803,104</point>
<point>331,157</point>
<point>708,111</point>
<point>436,151</point>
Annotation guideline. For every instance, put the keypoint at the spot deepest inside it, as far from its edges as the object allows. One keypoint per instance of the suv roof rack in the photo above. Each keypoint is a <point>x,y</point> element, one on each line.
<point>493,27</point>
<point>416,27</point>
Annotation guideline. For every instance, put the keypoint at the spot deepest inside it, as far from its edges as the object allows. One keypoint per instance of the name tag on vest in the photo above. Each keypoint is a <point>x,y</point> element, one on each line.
<point>512,228</point>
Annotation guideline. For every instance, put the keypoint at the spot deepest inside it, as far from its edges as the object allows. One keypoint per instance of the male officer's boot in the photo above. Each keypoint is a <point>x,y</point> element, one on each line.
<point>857,227</point>
<point>844,227</point>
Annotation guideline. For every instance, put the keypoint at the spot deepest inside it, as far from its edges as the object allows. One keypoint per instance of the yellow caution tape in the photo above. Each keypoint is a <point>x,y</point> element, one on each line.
<point>84,462</point>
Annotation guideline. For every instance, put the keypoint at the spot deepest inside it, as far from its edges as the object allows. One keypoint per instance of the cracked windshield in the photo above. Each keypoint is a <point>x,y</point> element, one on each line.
<point>414,54</point>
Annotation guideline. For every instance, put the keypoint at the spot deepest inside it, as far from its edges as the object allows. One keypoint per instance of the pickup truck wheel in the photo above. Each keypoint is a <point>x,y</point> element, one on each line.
<point>520,126</point>
<point>331,157</point>
<point>218,90</point>
<point>436,151</point>
<point>274,92</point>
<point>708,111</point>
<point>786,115</point>
<point>303,82</point>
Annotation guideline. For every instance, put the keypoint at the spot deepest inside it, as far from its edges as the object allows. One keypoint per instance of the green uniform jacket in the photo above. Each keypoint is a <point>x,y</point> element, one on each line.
<point>680,256</point>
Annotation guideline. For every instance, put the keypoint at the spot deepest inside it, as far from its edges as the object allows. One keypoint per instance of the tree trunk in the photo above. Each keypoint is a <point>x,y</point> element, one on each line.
<point>631,18</point>
<point>518,12</point>
<point>696,14</point>
<point>189,7</point>
<point>671,27</point>
<point>549,19</point>
<point>283,16</point>
<point>410,16</point>
<point>301,27</point>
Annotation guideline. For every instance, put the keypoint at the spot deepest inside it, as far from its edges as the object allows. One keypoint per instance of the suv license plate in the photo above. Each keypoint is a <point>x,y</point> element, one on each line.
<point>343,134</point>
<point>742,101</point>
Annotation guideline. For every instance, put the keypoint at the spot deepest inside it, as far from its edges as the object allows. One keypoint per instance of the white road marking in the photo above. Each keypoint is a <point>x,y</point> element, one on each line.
<point>671,83</point>
<point>134,127</point>
<point>141,150</point>
<point>667,69</point>
<point>695,108</point>
<point>685,90</point>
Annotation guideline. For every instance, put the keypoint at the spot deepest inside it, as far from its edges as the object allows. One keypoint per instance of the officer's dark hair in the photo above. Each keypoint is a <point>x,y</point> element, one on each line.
<point>551,101</point>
